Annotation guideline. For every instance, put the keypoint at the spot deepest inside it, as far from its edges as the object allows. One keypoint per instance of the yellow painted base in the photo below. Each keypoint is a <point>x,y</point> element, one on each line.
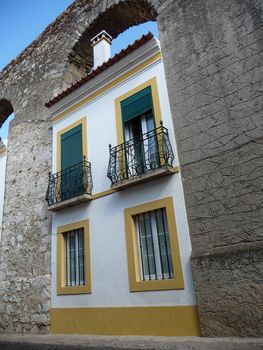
<point>156,321</point>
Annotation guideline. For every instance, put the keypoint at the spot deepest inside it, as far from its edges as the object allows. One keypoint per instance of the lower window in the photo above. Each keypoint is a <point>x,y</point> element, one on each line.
<point>152,245</point>
<point>73,259</point>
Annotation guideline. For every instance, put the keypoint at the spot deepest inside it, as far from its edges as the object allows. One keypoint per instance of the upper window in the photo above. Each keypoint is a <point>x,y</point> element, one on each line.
<point>144,143</point>
<point>71,163</point>
<point>138,114</point>
<point>138,120</point>
<point>73,178</point>
<point>71,147</point>
<point>138,111</point>
<point>152,245</point>
<point>72,144</point>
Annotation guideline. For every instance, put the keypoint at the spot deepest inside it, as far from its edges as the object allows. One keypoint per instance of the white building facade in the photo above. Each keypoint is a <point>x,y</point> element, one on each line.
<point>120,243</point>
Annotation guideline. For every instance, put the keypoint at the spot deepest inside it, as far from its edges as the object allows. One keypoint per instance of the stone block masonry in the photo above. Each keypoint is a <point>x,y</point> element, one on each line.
<point>25,250</point>
<point>212,52</point>
<point>213,58</point>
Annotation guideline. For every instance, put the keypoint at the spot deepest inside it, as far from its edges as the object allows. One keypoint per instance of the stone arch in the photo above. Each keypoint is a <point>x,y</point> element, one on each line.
<point>204,45</point>
<point>126,13</point>
<point>6,109</point>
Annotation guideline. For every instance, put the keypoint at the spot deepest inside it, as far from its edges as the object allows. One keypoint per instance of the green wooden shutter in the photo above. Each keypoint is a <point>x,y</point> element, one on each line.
<point>136,104</point>
<point>71,147</point>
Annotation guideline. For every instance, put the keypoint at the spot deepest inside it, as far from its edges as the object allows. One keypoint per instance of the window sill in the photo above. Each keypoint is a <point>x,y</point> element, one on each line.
<point>155,285</point>
<point>73,290</point>
<point>70,202</point>
<point>166,170</point>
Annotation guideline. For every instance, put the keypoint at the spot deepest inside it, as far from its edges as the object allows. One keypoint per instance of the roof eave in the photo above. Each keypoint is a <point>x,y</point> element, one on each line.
<point>94,73</point>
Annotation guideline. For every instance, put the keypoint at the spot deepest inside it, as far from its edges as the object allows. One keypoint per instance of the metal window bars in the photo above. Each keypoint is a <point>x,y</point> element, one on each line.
<point>69,183</point>
<point>75,258</point>
<point>154,245</point>
<point>152,150</point>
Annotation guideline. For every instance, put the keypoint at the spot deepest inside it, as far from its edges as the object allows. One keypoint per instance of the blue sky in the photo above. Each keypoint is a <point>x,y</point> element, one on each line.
<point>21,21</point>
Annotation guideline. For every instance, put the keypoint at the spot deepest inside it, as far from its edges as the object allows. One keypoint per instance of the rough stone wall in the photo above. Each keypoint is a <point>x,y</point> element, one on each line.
<point>25,246</point>
<point>27,83</point>
<point>229,286</point>
<point>211,51</point>
<point>49,64</point>
<point>213,59</point>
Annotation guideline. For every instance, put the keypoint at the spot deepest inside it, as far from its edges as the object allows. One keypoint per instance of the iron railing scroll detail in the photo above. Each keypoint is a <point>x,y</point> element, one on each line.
<point>69,183</point>
<point>152,150</point>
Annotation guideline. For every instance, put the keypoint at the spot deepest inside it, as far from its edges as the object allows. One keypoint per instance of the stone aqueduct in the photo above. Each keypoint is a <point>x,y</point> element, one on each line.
<point>212,52</point>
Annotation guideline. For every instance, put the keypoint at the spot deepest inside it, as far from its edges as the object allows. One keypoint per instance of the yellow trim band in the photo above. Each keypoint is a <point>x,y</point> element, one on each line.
<point>103,194</point>
<point>98,195</point>
<point>82,122</point>
<point>136,283</point>
<point>62,289</point>
<point>157,321</point>
<point>107,87</point>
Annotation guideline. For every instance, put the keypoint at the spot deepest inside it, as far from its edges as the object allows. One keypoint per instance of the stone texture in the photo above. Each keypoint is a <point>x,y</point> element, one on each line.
<point>58,57</point>
<point>230,295</point>
<point>213,60</point>
<point>25,245</point>
<point>70,342</point>
<point>212,52</point>
<point>2,145</point>
<point>216,95</point>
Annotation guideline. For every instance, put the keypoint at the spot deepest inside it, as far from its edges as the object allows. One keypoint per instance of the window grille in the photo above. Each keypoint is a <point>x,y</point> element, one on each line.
<point>154,245</point>
<point>140,155</point>
<point>69,183</point>
<point>75,259</point>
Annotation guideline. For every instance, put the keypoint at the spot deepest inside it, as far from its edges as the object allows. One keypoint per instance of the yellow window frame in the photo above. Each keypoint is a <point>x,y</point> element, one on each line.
<point>135,281</point>
<point>83,122</point>
<point>157,114</point>
<point>156,106</point>
<point>62,289</point>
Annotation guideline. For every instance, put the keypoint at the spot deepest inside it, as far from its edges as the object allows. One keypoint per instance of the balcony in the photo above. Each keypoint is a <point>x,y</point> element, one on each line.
<point>141,159</point>
<point>70,186</point>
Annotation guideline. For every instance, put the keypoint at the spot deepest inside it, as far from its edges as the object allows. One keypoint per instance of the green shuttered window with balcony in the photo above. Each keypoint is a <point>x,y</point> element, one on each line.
<point>71,147</point>
<point>71,159</point>
<point>137,104</point>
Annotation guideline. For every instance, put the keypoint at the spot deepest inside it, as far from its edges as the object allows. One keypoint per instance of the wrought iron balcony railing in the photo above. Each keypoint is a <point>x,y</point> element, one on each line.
<point>138,156</point>
<point>69,183</point>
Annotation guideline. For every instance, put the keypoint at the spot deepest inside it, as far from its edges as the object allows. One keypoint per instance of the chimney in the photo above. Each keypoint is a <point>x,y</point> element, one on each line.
<point>101,44</point>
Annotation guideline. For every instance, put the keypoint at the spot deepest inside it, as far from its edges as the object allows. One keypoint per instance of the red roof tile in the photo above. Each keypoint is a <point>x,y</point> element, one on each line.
<point>100,69</point>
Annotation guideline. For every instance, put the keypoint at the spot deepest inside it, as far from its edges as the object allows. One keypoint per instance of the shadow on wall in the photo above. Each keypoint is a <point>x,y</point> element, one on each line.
<point>6,115</point>
<point>130,15</point>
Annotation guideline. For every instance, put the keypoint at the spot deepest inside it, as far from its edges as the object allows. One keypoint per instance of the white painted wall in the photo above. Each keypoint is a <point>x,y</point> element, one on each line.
<point>2,188</point>
<point>101,123</point>
<point>108,246</point>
